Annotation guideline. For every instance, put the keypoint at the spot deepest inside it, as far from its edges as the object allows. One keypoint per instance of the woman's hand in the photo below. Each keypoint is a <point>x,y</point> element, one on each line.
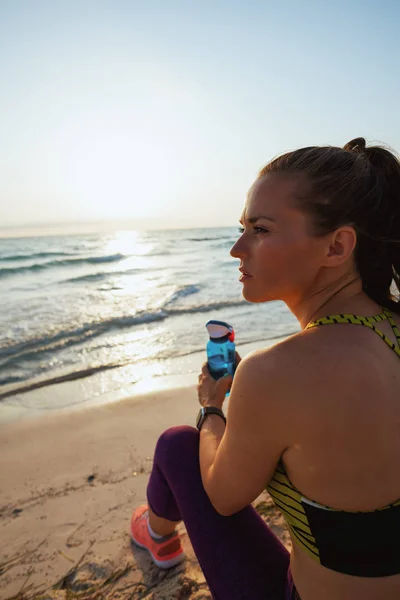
<point>211,392</point>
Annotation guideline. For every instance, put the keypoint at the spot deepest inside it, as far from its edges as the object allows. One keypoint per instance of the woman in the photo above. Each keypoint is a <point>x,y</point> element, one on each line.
<point>316,418</point>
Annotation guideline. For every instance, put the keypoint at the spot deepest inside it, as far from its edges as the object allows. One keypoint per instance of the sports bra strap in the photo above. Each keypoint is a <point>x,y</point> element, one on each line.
<point>396,330</point>
<point>366,322</point>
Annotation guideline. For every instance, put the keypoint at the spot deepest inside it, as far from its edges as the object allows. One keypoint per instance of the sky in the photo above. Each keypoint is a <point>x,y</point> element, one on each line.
<point>162,112</point>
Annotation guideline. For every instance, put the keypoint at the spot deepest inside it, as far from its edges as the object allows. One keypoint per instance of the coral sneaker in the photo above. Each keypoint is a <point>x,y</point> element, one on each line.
<point>166,552</point>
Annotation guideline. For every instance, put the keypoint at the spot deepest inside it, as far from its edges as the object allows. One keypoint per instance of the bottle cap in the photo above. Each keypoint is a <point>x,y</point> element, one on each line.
<point>219,329</point>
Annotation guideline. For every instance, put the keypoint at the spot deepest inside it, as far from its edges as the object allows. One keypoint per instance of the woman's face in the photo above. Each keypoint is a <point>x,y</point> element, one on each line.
<point>276,248</point>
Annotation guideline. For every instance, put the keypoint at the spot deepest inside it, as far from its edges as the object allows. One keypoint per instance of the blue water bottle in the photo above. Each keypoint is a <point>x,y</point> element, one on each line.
<point>221,354</point>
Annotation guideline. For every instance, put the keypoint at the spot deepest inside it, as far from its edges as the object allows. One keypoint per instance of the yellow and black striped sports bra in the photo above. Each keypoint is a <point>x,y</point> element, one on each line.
<point>364,544</point>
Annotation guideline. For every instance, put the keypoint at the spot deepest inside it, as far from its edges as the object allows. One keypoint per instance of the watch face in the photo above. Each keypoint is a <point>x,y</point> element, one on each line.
<point>200,417</point>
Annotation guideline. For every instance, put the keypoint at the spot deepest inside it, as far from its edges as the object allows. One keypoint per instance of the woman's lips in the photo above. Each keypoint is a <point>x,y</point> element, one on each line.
<point>244,275</point>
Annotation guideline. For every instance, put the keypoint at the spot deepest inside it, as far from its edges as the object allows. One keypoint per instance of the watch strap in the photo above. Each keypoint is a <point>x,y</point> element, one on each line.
<point>208,410</point>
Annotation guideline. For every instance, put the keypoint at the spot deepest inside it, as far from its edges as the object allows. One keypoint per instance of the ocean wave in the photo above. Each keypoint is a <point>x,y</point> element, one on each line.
<point>103,259</point>
<point>159,253</point>
<point>185,290</point>
<point>205,307</point>
<point>100,276</point>
<point>226,243</point>
<point>203,239</point>
<point>35,255</point>
<point>19,384</point>
<point>90,277</point>
<point>76,374</point>
<point>91,260</point>
<point>210,239</point>
<point>10,379</point>
<point>27,350</point>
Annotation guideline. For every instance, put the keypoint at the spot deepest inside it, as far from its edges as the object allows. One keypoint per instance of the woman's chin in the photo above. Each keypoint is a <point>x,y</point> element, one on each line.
<point>252,296</point>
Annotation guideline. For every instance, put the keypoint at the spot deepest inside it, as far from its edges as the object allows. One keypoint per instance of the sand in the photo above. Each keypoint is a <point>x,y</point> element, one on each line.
<point>69,484</point>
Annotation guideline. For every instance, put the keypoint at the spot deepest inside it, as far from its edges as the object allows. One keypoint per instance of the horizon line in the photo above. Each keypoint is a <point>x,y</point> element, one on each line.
<point>97,226</point>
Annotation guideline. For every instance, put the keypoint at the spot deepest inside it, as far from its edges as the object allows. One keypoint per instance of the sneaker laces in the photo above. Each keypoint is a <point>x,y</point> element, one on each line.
<point>144,515</point>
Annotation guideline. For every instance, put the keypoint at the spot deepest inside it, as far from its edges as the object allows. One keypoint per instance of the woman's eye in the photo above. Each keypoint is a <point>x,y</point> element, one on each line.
<point>256,230</point>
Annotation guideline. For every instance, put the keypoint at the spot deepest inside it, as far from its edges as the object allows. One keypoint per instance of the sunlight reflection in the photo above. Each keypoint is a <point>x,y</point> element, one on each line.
<point>143,374</point>
<point>134,286</point>
<point>128,243</point>
<point>138,346</point>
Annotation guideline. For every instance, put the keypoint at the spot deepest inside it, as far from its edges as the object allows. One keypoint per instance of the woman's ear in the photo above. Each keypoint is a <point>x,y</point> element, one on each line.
<point>341,244</point>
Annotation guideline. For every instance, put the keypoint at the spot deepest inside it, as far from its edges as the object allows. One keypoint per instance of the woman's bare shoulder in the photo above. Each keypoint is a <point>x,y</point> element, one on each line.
<point>316,346</point>
<point>296,350</point>
<point>308,360</point>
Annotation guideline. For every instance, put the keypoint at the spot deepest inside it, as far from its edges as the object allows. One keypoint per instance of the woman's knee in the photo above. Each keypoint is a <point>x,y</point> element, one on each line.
<point>177,442</point>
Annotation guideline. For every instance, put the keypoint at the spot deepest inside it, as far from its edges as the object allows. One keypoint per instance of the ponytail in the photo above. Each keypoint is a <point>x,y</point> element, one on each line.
<point>379,248</point>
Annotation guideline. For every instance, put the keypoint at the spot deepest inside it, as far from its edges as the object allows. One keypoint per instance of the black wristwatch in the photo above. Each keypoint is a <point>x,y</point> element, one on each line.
<point>208,410</point>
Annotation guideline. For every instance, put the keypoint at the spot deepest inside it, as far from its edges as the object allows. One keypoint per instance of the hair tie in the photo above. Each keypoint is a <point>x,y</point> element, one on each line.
<point>357,145</point>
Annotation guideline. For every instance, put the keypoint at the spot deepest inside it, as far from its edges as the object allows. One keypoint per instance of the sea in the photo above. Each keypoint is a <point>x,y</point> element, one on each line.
<point>102,315</point>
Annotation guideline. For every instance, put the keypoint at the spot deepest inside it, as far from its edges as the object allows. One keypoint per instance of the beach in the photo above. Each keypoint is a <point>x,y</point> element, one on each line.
<point>102,337</point>
<point>70,483</point>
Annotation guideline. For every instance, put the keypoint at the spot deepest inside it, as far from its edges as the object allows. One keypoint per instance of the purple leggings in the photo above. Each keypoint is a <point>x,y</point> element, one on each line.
<point>240,556</point>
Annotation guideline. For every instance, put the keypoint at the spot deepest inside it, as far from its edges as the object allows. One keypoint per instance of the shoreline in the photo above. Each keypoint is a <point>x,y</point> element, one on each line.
<point>112,385</point>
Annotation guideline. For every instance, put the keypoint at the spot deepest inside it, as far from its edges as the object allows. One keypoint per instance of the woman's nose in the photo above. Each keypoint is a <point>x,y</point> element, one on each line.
<point>238,250</point>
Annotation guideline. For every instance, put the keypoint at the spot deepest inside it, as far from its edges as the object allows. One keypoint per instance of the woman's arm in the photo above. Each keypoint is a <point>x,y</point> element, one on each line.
<point>237,461</point>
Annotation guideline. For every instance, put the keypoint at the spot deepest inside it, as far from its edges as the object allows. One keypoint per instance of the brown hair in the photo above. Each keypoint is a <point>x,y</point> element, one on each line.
<point>358,186</point>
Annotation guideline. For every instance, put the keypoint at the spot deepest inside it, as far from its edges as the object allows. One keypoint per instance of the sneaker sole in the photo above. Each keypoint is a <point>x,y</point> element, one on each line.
<point>162,564</point>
